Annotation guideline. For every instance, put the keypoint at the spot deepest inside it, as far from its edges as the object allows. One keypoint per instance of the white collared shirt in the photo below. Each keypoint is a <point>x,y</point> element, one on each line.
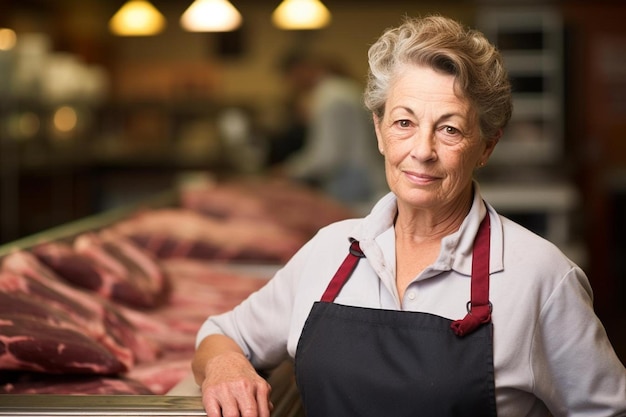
<point>550,349</point>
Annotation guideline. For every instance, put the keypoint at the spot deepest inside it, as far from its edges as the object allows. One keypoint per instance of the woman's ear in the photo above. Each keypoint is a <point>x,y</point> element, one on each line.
<point>379,139</point>
<point>490,146</point>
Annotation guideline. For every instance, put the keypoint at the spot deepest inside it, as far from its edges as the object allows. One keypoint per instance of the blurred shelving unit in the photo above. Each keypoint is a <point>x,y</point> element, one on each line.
<point>547,209</point>
<point>527,182</point>
<point>43,170</point>
<point>116,153</point>
<point>531,42</point>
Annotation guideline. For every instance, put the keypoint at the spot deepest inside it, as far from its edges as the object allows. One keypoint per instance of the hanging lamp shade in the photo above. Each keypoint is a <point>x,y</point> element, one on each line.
<point>301,14</point>
<point>137,18</point>
<point>8,39</point>
<point>211,16</point>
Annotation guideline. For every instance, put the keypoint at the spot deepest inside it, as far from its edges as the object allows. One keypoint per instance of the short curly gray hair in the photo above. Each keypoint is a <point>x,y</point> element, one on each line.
<point>444,45</point>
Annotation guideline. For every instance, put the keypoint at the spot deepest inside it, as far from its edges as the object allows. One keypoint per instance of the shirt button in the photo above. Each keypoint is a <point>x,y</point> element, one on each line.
<point>411,295</point>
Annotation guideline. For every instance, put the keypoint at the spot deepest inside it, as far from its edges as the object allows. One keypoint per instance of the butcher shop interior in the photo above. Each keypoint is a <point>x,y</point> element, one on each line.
<point>159,152</point>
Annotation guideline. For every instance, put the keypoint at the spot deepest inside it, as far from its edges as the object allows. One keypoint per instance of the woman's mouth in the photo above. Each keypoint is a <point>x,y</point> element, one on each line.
<point>420,178</point>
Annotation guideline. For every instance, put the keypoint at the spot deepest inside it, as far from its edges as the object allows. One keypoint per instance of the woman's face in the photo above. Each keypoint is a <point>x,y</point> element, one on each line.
<point>430,139</point>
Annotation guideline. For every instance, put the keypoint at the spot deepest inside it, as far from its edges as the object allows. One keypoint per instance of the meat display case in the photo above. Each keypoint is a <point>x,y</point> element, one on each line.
<point>183,400</point>
<point>284,396</point>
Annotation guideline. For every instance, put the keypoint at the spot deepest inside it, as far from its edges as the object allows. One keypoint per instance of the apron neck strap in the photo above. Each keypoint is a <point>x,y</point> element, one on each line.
<point>478,308</point>
<point>343,273</point>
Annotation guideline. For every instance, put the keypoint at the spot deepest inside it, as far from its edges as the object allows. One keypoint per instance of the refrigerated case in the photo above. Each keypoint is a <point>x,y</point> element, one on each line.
<point>183,399</point>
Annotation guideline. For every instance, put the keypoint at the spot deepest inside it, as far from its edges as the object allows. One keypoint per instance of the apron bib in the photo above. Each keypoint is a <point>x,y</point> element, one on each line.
<point>356,361</point>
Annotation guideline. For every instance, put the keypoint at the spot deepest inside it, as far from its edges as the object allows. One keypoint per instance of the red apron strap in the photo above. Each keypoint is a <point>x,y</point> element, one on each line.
<point>343,273</point>
<point>479,307</point>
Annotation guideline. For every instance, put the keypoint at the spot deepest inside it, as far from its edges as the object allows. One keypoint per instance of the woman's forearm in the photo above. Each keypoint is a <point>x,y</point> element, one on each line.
<point>212,346</point>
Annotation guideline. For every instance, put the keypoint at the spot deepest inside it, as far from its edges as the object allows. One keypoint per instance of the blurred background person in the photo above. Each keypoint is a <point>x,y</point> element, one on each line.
<point>335,153</point>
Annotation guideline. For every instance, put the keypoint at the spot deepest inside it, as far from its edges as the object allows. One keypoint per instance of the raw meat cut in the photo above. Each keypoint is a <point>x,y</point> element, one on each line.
<point>283,203</point>
<point>204,289</point>
<point>127,273</point>
<point>27,343</point>
<point>167,338</point>
<point>162,375</point>
<point>73,267</point>
<point>83,271</point>
<point>199,289</point>
<point>97,318</point>
<point>184,233</point>
<point>85,317</point>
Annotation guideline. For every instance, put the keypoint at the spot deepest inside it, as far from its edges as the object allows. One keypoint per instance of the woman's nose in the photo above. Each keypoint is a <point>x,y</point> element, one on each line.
<point>424,146</point>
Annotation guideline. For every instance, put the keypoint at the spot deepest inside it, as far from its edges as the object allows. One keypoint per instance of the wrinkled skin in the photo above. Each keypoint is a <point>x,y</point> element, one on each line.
<point>230,385</point>
<point>431,143</point>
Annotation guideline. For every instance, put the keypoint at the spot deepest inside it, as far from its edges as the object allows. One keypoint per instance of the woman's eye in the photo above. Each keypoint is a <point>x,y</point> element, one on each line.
<point>451,130</point>
<point>404,123</point>
<point>450,134</point>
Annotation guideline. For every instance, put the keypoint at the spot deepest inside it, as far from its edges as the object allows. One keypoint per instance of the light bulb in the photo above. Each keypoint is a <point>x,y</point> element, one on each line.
<point>211,16</point>
<point>301,14</point>
<point>137,18</point>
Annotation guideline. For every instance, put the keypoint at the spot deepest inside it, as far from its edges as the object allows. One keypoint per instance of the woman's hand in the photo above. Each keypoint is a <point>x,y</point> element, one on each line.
<point>230,385</point>
<point>232,388</point>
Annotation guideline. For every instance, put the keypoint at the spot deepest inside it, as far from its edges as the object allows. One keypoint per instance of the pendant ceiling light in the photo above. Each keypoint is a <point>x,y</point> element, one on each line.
<point>8,39</point>
<point>137,18</point>
<point>211,16</point>
<point>301,14</point>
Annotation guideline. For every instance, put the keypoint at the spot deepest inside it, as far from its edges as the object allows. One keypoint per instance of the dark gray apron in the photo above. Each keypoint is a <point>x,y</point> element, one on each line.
<point>355,361</point>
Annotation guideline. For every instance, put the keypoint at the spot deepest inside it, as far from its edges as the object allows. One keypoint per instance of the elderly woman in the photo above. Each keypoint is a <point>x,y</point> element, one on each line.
<point>375,311</point>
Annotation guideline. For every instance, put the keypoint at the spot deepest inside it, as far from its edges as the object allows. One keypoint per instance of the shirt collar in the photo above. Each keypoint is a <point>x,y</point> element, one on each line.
<point>456,249</point>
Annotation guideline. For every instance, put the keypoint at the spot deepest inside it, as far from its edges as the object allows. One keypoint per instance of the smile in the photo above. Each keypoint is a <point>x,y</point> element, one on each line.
<point>419,178</point>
